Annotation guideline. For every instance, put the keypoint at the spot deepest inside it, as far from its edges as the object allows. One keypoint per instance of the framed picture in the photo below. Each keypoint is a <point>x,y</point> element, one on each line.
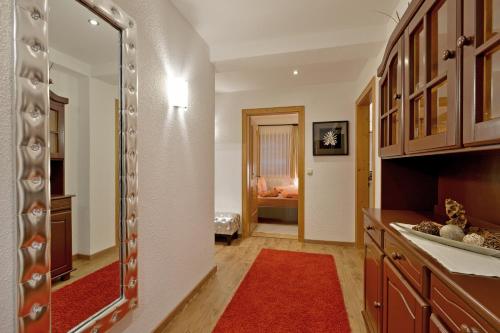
<point>331,138</point>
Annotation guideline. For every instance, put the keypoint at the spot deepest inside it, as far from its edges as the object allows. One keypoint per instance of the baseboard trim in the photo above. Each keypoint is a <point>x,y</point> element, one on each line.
<point>95,255</point>
<point>314,241</point>
<point>164,323</point>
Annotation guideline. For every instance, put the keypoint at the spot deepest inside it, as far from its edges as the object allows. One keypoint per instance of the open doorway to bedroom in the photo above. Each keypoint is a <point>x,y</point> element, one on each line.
<point>272,172</point>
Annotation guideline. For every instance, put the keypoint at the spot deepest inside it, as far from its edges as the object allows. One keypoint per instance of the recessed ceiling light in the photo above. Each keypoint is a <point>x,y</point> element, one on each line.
<point>295,72</point>
<point>93,22</point>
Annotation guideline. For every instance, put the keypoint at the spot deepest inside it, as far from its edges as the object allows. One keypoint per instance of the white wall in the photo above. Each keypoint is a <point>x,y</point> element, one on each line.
<point>7,176</point>
<point>176,157</point>
<point>90,153</point>
<point>329,192</point>
<point>102,165</point>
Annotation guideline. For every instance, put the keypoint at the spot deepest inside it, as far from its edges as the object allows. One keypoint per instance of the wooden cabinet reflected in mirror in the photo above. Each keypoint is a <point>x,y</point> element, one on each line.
<point>60,223</point>
<point>84,122</point>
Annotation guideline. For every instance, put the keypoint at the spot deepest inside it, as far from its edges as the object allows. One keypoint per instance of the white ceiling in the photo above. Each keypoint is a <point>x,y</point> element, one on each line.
<point>71,34</point>
<point>256,44</point>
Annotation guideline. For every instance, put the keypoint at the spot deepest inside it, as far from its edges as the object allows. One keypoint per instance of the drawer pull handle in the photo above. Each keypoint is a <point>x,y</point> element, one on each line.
<point>377,305</point>
<point>396,256</point>
<point>448,54</point>
<point>370,228</point>
<point>464,41</point>
<point>466,329</point>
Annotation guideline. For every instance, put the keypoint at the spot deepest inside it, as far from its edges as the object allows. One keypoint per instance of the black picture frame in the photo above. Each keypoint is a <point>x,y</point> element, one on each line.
<point>330,138</point>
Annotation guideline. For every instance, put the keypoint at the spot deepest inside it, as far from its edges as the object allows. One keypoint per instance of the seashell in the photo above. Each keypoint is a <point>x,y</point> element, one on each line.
<point>473,239</point>
<point>452,232</point>
<point>428,227</point>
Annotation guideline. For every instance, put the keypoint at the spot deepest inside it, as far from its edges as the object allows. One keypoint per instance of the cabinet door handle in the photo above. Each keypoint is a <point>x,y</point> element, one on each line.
<point>370,228</point>
<point>396,96</point>
<point>448,54</point>
<point>466,329</point>
<point>377,305</point>
<point>396,256</point>
<point>464,41</point>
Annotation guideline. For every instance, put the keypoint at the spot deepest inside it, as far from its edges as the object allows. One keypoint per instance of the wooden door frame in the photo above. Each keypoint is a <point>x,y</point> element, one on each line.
<point>363,154</point>
<point>245,116</point>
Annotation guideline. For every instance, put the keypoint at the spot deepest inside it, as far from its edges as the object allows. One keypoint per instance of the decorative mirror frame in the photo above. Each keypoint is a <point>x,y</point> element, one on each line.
<point>31,109</point>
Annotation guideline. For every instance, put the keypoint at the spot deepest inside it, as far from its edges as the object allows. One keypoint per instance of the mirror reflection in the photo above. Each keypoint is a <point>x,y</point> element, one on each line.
<point>84,55</point>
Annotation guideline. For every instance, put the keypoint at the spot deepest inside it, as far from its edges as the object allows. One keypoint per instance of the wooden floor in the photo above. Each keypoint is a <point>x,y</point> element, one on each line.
<point>202,313</point>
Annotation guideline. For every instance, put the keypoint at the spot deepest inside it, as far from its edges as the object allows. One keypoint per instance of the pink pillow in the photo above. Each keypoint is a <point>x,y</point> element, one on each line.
<point>288,189</point>
<point>261,185</point>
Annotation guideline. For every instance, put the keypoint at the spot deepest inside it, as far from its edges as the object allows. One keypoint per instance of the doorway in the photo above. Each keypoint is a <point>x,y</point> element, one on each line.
<point>284,198</point>
<point>365,156</point>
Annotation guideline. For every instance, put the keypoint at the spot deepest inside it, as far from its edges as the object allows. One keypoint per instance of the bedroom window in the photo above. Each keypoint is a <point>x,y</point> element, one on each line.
<point>278,151</point>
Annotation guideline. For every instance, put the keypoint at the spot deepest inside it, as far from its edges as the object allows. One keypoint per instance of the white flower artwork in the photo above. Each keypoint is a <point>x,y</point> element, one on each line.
<point>330,138</point>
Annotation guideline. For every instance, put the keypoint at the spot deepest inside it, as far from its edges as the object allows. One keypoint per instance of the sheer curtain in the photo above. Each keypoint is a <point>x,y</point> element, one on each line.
<point>278,151</point>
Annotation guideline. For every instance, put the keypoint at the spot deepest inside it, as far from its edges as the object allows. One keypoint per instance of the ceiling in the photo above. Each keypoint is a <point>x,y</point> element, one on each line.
<point>256,44</point>
<point>71,34</point>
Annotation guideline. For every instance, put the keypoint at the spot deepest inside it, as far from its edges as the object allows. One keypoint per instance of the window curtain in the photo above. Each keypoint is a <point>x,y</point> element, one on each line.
<point>278,151</point>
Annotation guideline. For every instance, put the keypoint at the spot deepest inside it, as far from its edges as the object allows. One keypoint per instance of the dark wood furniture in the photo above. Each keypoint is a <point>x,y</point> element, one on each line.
<point>415,293</point>
<point>449,96</point>
<point>61,241</point>
<point>449,118</point>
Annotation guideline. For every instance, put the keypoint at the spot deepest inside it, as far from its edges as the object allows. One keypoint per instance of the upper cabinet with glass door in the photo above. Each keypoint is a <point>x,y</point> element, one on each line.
<point>391,115</point>
<point>431,108</point>
<point>481,84</point>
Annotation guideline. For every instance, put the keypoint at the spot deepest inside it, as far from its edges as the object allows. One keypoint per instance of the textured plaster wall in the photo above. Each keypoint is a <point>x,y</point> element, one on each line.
<point>176,162</point>
<point>176,157</point>
<point>7,210</point>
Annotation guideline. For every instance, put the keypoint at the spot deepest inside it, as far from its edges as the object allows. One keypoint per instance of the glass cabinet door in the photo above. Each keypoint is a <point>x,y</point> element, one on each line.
<point>480,45</point>
<point>391,106</point>
<point>430,62</point>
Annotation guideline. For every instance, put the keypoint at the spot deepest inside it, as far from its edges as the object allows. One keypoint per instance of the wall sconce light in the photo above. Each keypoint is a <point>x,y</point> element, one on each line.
<point>178,93</point>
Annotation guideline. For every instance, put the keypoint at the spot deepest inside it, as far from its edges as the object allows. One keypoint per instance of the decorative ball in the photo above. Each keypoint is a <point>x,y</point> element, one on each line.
<point>473,239</point>
<point>492,242</point>
<point>452,232</point>
<point>428,227</point>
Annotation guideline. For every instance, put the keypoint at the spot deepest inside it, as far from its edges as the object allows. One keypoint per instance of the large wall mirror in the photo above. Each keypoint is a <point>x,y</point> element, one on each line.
<point>76,113</point>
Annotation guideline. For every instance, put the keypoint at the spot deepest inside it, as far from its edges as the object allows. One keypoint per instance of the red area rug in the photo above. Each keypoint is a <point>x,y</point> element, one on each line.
<point>287,292</point>
<point>76,302</point>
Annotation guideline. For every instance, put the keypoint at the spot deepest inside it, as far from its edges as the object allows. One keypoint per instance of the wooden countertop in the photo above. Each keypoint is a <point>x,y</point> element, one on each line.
<point>481,293</point>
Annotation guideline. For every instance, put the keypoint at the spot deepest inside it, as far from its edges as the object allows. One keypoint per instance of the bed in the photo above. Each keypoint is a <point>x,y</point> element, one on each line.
<point>277,192</point>
<point>277,202</point>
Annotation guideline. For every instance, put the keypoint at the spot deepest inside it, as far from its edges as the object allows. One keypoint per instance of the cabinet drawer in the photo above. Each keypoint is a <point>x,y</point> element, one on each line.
<point>374,230</point>
<point>63,203</point>
<point>454,312</point>
<point>411,268</point>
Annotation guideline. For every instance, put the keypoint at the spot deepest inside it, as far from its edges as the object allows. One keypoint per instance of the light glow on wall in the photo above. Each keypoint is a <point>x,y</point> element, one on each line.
<point>178,93</point>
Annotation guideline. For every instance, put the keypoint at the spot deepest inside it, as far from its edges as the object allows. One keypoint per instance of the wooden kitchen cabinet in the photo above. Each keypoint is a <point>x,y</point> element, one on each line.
<point>404,309</point>
<point>431,120</point>
<point>373,285</point>
<point>480,45</point>
<point>391,112</point>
